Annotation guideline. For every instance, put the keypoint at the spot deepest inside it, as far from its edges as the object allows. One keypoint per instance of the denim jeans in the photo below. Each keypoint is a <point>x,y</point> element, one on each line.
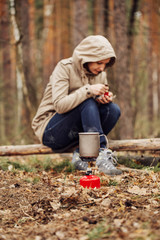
<point>61,132</point>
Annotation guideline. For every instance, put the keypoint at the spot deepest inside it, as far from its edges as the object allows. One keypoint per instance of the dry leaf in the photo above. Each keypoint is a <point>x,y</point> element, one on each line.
<point>71,177</point>
<point>155,190</point>
<point>106,202</point>
<point>60,235</point>
<point>138,191</point>
<point>118,222</point>
<point>55,205</point>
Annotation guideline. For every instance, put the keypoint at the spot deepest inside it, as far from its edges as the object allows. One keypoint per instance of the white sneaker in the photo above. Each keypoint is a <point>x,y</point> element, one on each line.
<point>78,163</point>
<point>106,162</point>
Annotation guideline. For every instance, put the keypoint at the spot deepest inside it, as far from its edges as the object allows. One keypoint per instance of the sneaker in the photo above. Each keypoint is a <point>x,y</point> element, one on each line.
<point>106,162</point>
<point>78,163</point>
<point>111,156</point>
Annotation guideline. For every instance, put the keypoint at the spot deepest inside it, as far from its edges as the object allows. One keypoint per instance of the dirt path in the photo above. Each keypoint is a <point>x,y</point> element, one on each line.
<point>46,206</point>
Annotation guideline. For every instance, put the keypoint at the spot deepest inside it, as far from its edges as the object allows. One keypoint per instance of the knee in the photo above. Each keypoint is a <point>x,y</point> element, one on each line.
<point>117,109</point>
<point>90,104</point>
<point>114,108</point>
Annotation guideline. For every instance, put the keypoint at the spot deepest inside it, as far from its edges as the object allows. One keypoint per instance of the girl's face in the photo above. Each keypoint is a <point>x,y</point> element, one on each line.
<point>97,67</point>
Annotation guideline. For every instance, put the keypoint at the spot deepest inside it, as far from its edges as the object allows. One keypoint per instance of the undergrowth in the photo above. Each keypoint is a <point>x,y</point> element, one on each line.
<point>101,231</point>
<point>33,164</point>
<point>131,163</point>
<point>64,166</point>
<point>157,168</point>
<point>6,164</point>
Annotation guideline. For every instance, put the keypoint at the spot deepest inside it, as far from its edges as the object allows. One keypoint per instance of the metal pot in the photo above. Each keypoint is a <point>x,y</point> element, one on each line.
<point>89,144</point>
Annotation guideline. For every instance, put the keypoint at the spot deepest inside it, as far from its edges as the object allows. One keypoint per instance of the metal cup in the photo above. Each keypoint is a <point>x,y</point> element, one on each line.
<point>89,144</point>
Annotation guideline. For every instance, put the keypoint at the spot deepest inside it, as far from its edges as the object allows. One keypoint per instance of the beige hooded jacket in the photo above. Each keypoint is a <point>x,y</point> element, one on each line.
<point>69,84</point>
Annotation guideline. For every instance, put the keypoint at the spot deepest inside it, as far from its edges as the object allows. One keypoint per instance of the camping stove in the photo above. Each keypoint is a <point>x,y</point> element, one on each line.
<point>89,144</point>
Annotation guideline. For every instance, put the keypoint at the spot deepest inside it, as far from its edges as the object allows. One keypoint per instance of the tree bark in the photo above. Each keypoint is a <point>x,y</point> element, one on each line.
<point>80,21</point>
<point>7,84</point>
<point>122,70</point>
<point>19,61</point>
<point>154,32</point>
<point>66,29</point>
<point>49,50</point>
<point>98,23</point>
<point>25,22</point>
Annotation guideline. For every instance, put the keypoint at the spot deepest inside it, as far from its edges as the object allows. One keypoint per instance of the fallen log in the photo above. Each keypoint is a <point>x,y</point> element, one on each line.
<point>152,144</point>
<point>11,150</point>
<point>24,150</point>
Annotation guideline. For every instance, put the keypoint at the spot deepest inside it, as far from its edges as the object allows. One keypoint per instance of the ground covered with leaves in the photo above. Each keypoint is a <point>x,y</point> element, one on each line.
<point>43,200</point>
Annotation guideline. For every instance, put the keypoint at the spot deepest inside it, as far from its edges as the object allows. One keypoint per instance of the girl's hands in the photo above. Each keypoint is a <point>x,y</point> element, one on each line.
<point>99,89</point>
<point>106,98</point>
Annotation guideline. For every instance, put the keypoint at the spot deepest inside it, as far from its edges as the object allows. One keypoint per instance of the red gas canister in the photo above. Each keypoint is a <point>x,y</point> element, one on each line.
<point>90,181</point>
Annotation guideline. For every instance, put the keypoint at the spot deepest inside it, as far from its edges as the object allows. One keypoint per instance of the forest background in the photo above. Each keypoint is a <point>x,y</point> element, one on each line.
<point>36,34</point>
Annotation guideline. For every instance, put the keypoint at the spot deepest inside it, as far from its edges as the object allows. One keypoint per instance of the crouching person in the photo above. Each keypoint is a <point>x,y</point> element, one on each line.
<point>74,101</point>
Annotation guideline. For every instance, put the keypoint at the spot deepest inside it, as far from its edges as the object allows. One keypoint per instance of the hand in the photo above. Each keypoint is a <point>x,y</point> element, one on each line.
<point>99,89</point>
<point>105,98</point>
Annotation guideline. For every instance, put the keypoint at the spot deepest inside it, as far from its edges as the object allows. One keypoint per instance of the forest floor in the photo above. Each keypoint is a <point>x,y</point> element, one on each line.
<point>41,202</point>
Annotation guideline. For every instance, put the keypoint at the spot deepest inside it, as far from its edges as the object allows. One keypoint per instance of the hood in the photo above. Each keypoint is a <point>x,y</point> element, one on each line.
<point>92,49</point>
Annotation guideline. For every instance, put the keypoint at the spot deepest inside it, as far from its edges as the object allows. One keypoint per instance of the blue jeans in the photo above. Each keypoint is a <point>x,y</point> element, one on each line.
<point>61,132</point>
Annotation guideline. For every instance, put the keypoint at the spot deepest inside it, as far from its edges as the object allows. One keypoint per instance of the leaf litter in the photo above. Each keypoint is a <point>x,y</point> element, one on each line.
<point>46,205</point>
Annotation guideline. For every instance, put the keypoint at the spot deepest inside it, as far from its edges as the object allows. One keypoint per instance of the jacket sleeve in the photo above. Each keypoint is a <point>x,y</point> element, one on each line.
<point>104,78</point>
<point>64,100</point>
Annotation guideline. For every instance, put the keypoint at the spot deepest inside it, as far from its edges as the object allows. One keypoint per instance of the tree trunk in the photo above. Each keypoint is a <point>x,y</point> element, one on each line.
<point>66,29</point>
<point>122,70</point>
<point>98,23</point>
<point>19,61</point>
<point>49,51</point>
<point>80,21</point>
<point>8,84</point>
<point>32,54</point>
<point>153,61</point>
<point>24,17</point>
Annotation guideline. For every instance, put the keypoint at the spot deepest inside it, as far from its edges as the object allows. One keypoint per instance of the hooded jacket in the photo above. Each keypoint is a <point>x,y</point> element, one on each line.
<point>69,84</point>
